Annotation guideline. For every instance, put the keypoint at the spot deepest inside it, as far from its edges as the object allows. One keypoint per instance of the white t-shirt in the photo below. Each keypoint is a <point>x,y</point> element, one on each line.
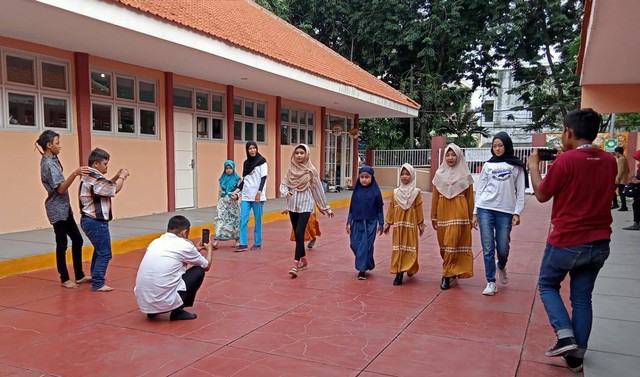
<point>160,274</point>
<point>252,184</point>
<point>500,187</point>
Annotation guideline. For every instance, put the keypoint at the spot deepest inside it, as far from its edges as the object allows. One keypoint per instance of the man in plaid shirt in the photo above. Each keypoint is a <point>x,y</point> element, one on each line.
<point>96,192</point>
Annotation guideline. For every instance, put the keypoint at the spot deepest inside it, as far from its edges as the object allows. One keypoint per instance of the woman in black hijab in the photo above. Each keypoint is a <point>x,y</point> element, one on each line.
<point>254,178</point>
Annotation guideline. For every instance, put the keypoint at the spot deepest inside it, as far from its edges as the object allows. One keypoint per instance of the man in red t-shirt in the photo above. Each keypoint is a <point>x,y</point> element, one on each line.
<point>579,181</point>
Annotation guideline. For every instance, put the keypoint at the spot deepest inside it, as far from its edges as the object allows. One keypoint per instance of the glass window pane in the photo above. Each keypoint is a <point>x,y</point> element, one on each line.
<point>284,115</point>
<point>101,83</point>
<point>284,135</point>
<point>294,136</point>
<point>248,109</point>
<point>202,101</point>
<point>261,110</point>
<point>54,76</point>
<point>147,91</point>
<point>217,103</point>
<point>261,135</point>
<point>237,106</point>
<point>101,115</point>
<point>310,137</point>
<point>22,109</point>
<point>20,70</point>
<point>125,88</point>
<point>55,112</point>
<point>202,127</point>
<point>310,119</point>
<point>216,128</point>
<point>303,117</point>
<point>303,136</point>
<point>182,98</point>
<point>248,131</point>
<point>294,116</point>
<point>237,130</point>
<point>126,120</point>
<point>147,122</point>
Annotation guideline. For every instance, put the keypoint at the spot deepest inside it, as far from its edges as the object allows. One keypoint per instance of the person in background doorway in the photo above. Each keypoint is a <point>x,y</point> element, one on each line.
<point>636,200</point>
<point>621,180</point>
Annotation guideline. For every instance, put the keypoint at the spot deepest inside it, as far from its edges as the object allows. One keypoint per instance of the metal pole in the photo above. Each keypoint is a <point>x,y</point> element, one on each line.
<point>612,125</point>
<point>412,143</point>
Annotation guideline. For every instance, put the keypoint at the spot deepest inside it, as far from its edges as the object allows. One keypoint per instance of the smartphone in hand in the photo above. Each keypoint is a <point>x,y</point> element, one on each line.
<point>205,236</point>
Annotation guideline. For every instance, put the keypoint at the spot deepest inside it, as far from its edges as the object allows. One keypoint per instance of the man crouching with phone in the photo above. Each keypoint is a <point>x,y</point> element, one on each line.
<point>579,181</point>
<point>164,284</point>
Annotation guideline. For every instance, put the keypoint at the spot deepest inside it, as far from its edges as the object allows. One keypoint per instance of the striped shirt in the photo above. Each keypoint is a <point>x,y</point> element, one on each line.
<point>305,201</point>
<point>95,196</point>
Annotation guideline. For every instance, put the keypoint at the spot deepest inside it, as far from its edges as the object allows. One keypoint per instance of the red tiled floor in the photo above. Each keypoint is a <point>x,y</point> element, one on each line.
<point>415,354</point>
<point>102,350</point>
<point>254,320</point>
<point>351,345</point>
<point>235,362</point>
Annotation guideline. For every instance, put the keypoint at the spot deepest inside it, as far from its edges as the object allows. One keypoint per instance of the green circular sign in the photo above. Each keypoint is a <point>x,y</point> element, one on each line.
<point>610,145</point>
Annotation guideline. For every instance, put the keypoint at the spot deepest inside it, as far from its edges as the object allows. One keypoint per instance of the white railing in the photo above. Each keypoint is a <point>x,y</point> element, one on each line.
<point>415,157</point>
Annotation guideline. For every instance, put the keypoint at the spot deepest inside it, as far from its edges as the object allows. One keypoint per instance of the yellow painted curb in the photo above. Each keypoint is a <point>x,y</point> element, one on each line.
<point>48,260</point>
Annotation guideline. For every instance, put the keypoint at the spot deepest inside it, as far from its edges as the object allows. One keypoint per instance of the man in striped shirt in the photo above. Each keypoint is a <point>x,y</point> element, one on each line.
<point>96,192</point>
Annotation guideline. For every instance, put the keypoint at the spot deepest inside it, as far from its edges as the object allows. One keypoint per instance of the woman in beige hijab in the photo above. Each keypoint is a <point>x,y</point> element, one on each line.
<point>452,204</point>
<point>302,187</point>
<point>406,216</point>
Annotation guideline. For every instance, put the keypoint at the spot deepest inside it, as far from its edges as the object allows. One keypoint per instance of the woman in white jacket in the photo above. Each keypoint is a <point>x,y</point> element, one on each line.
<point>498,203</point>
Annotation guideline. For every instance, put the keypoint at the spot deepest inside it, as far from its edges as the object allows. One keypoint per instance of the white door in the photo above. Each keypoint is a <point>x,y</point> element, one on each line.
<point>184,160</point>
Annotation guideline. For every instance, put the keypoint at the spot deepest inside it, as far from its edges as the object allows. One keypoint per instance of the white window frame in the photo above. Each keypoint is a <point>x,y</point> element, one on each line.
<point>244,119</point>
<point>37,90</point>
<point>298,126</point>
<point>209,114</point>
<point>136,104</point>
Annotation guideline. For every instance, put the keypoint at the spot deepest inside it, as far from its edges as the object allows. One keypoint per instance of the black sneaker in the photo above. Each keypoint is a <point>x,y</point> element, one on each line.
<point>563,346</point>
<point>574,363</point>
<point>362,275</point>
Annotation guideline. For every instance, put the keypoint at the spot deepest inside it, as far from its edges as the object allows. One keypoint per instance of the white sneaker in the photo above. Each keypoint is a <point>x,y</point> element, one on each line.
<point>490,290</point>
<point>502,274</point>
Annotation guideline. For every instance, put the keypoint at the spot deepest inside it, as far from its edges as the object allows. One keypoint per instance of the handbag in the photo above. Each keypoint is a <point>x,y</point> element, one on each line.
<point>631,190</point>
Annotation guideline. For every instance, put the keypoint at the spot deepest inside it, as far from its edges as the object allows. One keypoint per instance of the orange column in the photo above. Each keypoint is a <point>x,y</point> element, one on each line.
<point>230,139</point>
<point>83,105</point>
<point>171,162</point>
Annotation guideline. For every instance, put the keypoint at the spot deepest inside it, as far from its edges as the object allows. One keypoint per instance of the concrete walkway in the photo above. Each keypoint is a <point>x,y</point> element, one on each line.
<point>253,320</point>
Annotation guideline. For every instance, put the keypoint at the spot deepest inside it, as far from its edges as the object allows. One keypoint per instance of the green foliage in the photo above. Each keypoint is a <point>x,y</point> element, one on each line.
<point>628,122</point>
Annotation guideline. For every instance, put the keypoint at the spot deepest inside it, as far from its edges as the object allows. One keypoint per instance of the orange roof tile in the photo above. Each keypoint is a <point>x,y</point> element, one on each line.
<point>246,24</point>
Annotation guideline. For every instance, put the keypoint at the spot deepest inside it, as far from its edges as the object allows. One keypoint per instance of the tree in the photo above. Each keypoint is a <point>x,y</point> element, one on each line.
<point>628,121</point>
<point>540,40</point>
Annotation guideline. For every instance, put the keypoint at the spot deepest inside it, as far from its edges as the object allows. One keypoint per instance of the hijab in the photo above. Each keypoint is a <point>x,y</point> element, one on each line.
<point>509,157</point>
<point>299,176</point>
<point>406,194</point>
<point>366,202</point>
<point>228,182</point>
<point>452,180</point>
<point>252,162</point>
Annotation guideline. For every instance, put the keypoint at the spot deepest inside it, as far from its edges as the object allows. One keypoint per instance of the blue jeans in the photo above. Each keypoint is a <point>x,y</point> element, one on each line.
<point>257,208</point>
<point>582,263</point>
<point>495,235</point>
<point>98,233</point>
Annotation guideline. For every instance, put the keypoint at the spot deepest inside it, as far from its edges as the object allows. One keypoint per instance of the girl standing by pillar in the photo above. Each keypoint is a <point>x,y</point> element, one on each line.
<point>227,221</point>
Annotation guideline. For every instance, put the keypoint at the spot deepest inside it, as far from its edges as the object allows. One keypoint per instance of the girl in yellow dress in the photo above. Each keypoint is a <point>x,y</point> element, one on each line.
<point>406,216</point>
<point>452,204</point>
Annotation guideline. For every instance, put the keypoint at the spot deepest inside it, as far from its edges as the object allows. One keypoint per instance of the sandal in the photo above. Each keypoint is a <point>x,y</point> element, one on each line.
<point>70,284</point>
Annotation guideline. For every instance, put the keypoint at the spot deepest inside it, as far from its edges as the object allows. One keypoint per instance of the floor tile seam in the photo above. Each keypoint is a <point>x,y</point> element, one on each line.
<point>617,319</point>
<point>8,363</point>
<point>559,367</point>
<point>25,241</point>
<point>596,294</point>
<point>526,333</point>
<point>291,357</point>
<point>613,353</point>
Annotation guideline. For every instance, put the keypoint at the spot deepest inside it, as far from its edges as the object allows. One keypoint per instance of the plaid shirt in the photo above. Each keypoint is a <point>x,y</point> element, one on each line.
<point>95,196</point>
